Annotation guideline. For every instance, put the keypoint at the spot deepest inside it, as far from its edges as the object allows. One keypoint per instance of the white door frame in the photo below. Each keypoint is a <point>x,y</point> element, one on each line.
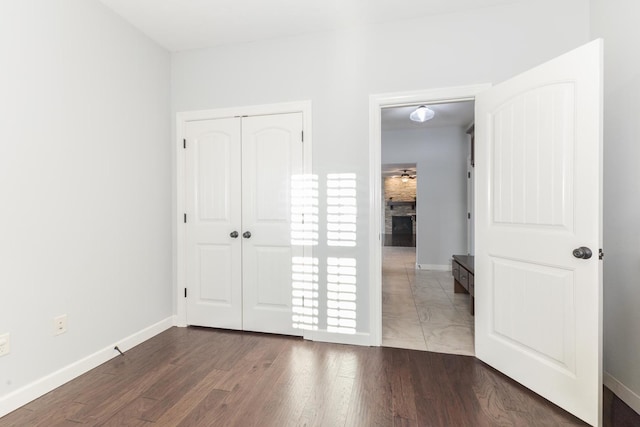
<point>376,103</point>
<point>182,118</point>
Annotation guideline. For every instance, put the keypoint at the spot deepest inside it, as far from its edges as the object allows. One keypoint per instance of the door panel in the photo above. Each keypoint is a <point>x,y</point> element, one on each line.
<point>272,156</point>
<point>214,273</point>
<point>538,196</point>
<point>272,175</point>
<point>213,212</point>
<point>273,268</point>
<point>550,291</point>
<point>533,166</point>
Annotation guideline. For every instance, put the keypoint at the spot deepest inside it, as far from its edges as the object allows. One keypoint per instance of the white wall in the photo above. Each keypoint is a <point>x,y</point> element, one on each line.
<point>338,71</point>
<point>85,179</point>
<point>441,158</point>
<point>616,22</point>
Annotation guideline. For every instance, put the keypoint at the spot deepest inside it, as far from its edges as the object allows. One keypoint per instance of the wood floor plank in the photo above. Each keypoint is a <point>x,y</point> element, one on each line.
<point>62,416</point>
<point>328,403</point>
<point>249,381</point>
<point>121,396</point>
<point>402,391</point>
<point>463,376</point>
<point>205,414</point>
<point>437,400</point>
<point>279,406</point>
<point>131,414</point>
<point>208,377</point>
<point>370,402</point>
<point>20,417</point>
<point>176,413</point>
<point>491,400</point>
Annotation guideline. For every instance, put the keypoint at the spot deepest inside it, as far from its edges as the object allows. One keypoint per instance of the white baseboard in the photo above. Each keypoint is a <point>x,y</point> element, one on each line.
<point>358,338</point>
<point>29,392</point>
<point>436,267</point>
<point>622,391</point>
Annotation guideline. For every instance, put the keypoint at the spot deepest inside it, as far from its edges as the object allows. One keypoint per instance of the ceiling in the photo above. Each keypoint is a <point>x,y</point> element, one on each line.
<point>458,114</point>
<point>397,169</point>
<point>191,24</point>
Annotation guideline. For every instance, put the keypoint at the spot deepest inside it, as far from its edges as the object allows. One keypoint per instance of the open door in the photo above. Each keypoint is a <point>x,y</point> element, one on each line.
<point>538,216</point>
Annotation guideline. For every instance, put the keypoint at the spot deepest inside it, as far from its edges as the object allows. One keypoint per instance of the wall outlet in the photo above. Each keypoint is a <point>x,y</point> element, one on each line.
<point>5,344</point>
<point>60,324</point>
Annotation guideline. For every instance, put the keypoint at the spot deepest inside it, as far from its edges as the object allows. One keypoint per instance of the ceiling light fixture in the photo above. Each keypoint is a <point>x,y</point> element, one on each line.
<point>404,177</point>
<point>422,114</point>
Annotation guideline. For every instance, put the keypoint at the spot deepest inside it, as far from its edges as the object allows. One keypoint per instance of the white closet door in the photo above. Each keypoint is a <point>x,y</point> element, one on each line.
<point>271,157</point>
<point>213,262</point>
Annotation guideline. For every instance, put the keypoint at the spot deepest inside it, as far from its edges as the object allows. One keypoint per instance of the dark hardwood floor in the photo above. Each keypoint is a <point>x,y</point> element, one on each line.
<point>209,377</point>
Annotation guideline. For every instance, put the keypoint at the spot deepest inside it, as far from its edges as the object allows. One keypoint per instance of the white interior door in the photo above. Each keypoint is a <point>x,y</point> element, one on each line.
<point>538,195</point>
<point>271,157</point>
<point>213,205</point>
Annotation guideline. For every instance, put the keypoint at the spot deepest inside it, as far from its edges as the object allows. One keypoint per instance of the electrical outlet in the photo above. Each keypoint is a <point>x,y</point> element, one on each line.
<point>5,345</point>
<point>60,324</point>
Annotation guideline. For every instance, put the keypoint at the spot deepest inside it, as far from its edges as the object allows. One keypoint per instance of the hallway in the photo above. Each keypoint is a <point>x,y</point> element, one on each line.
<point>420,310</point>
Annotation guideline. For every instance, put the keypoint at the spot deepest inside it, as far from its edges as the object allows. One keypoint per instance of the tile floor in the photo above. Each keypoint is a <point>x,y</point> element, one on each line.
<point>419,309</point>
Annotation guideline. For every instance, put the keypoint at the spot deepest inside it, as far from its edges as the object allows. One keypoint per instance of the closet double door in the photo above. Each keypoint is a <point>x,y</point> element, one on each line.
<point>239,174</point>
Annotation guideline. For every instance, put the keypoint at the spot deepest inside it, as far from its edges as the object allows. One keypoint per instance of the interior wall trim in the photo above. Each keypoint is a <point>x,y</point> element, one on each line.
<point>359,338</point>
<point>179,238</point>
<point>436,267</point>
<point>376,103</point>
<point>44,385</point>
<point>625,394</point>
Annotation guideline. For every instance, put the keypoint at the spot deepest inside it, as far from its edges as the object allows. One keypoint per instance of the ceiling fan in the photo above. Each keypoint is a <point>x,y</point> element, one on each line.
<point>406,177</point>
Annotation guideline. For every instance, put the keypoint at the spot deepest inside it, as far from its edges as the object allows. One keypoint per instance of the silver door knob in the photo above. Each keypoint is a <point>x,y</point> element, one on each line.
<point>582,252</point>
<point>246,234</point>
<point>234,234</point>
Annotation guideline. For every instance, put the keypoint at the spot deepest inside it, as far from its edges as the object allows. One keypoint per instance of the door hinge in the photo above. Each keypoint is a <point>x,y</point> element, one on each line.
<point>468,215</point>
<point>302,135</point>
<point>185,292</point>
<point>600,254</point>
<point>184,143</point>
<point>185,218</point>
<point>468,175</point>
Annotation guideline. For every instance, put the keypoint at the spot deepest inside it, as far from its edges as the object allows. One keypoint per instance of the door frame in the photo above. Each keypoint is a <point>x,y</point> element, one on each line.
<point>376,103</point>
<point>179,235</point>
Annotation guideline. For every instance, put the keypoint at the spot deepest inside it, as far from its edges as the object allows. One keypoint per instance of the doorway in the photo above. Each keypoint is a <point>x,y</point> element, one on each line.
<point>400,195</point>
<point>425,223</point>
<point>226,203</point>
<point>430,272</point>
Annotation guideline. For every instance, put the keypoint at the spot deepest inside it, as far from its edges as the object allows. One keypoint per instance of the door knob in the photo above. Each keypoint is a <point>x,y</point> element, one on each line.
<point>582,252</point>
<point>246,234</point>
<point>234,234</point>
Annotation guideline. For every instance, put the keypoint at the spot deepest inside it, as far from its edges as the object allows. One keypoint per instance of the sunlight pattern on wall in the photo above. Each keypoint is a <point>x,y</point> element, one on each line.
<point>341,209</point>
<point>341,295</point>
<point>304,270</point>
<point>305,292</point>
<point>304,210</point>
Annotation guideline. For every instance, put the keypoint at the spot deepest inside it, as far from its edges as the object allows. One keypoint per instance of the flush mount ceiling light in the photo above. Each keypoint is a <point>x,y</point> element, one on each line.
<point>422,114</point>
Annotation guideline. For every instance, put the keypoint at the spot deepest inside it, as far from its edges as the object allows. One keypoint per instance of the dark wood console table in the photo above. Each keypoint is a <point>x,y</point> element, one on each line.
<point>462,270</point>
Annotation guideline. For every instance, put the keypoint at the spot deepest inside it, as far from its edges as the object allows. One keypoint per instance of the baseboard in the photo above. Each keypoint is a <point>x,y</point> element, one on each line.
<point>436,267</point>
<point>622,391</point>
<point>358,338</point>
<point>29,392</point>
